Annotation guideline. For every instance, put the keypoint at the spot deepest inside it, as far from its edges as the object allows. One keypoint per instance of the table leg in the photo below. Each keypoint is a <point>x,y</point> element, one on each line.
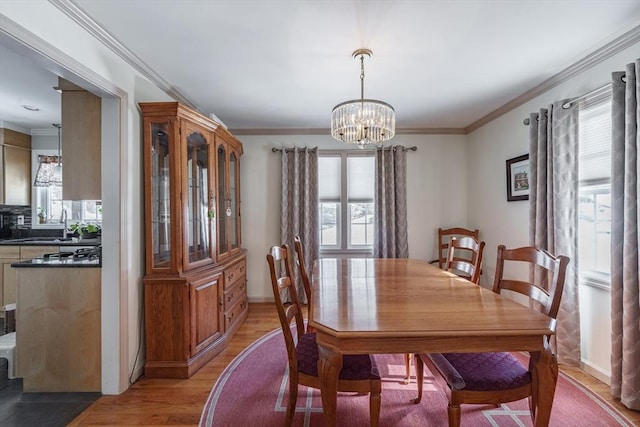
<point>543,386</point>
<point>329,366</point>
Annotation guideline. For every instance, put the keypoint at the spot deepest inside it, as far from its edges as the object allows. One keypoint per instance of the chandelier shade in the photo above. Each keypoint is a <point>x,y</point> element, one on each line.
<point>363,121</point>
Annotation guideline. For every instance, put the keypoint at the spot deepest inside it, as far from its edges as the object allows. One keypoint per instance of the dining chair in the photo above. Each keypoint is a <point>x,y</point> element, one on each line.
<point>444,237</point>
<point>470,266</point>
<point>359,373</point>
<point>495,378</point>
<point>300,261</point>
<point>464,259</point>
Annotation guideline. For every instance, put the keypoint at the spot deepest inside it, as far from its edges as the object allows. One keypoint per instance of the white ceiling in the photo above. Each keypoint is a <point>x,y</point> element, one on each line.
<point>284,64</point>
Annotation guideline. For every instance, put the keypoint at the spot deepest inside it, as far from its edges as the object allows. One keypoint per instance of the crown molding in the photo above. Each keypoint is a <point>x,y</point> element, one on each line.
<point>79,16</point>
<point>327,131</point>
<point>613,47</point>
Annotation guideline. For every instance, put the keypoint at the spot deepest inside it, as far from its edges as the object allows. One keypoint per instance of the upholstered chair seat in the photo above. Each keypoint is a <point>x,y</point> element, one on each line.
<point>354,366</point>
<point>481,371</point>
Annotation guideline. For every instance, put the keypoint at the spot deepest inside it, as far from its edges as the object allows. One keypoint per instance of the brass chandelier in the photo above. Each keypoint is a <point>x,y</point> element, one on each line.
<point>363,121</point>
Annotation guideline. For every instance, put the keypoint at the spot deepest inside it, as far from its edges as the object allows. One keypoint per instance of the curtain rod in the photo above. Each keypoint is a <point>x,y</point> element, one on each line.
<point>414,148</point>
<point>595,92</point>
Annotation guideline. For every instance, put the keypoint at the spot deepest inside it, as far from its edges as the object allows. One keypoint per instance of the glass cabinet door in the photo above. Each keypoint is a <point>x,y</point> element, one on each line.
<point>197,230</point>
<point>161,196</point>
<point>223,243</point>
<point>232,214</point>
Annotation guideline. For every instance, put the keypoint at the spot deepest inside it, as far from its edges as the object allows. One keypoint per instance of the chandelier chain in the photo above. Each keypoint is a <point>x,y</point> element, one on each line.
<point>362,77</point>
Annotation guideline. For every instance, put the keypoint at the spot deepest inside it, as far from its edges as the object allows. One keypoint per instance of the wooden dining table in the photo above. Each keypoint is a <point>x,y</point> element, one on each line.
<point>384,306</point>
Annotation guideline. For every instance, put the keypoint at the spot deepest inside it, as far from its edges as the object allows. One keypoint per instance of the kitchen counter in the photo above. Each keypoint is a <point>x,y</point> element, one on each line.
<point>50,241</point>
<point>58,339</point>
<point>58,262</point>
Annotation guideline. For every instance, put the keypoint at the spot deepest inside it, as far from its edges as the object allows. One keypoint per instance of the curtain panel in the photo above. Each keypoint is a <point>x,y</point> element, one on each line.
<point>553,216</point>
<point>625,237</point>
<point>299,215</point>
<point>390,228</point>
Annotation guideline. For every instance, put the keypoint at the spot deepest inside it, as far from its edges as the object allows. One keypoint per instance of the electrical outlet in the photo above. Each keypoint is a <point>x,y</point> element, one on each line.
<point>20,219</point>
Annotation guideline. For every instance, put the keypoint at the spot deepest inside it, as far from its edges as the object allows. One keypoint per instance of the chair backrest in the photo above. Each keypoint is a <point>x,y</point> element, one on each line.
<point>290,310</point>
<point>467,267</point>
<point>547,295</point>
<point>444,237</point>
<point>297,243</point>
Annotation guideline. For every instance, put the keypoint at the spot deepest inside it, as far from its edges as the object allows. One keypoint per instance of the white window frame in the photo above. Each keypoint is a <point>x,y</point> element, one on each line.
<point>342,246</point>
<point>593,278</point>
<point>75,209</point>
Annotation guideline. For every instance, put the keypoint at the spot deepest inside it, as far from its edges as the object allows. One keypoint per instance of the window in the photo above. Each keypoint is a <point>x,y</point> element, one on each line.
<point>346,182</point>
<point>47,205</point>
<point>594,206</point>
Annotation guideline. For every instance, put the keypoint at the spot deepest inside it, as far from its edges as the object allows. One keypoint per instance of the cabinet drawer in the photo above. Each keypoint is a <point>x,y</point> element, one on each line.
<point>231,296</point>
<point>30,252</point>
<point>235,312</point>
<point>10,252</point>
<point>234,274</point>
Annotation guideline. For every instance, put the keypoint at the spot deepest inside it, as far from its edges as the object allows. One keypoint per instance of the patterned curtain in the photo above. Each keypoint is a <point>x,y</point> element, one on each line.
<point>390,230</point>
<point>300,205</point>
<point>625,295</point>
<point>553,218</point>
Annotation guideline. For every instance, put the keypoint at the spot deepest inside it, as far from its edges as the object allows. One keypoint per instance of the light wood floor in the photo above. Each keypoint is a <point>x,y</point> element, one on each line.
<point>180,402</point>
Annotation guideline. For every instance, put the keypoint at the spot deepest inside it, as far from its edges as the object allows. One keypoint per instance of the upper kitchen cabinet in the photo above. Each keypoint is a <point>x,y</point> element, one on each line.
<point>228,152</point>
<point>15,162</point>
<point>81,142</point>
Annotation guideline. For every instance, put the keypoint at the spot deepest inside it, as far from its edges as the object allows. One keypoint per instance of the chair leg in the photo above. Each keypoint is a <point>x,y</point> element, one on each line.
<point>454,415</point>
<point>293,397</point>
<point>407,362</point>
<point>419,377</point>
<point>374,404</point>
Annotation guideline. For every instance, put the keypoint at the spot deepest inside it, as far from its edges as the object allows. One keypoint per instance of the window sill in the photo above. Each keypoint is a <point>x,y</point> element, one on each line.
<point>603,283</point>
<point>346,253</point>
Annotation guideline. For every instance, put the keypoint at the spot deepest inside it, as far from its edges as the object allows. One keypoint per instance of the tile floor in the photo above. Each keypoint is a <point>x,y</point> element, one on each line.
<point>37,409</point>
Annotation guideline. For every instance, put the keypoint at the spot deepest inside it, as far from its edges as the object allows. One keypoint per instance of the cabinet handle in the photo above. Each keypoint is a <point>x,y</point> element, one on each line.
<point>229,298</point>
<point>242,304</point>
<point>220,302</point>
<point>241,269</point>
<point>230,276</point>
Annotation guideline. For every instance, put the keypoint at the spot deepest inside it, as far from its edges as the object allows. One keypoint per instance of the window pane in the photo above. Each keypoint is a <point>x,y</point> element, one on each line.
<point>594,228</point>
<point>329,178</point>
<point>361,224</point>
<point>594,207</point>
<point>328,224</point>
<point>360,178</point>
<point>595,142</point>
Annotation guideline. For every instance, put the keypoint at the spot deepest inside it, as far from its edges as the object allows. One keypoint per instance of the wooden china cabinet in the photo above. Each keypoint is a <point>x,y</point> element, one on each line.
<point>195,284</point>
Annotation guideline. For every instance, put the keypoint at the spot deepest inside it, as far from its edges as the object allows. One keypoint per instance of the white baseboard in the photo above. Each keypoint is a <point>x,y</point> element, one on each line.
<point>260,299</point>
<point>596,371</point>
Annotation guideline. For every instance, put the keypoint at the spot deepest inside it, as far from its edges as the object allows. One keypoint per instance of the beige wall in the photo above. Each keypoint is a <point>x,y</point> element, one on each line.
<point>433,198</point>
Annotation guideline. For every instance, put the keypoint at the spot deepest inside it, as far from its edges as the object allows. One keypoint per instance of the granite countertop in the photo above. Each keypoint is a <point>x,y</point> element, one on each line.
<point>50,241</point>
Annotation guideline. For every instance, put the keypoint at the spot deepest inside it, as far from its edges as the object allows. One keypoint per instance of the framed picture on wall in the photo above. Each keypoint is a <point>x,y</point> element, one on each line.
<point>518,178</point>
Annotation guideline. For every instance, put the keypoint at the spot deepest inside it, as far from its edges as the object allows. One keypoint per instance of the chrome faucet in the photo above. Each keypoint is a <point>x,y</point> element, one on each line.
<point>63,220</point>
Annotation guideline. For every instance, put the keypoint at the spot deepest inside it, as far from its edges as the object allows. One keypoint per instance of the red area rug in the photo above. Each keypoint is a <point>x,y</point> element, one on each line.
<point>253,390</point>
